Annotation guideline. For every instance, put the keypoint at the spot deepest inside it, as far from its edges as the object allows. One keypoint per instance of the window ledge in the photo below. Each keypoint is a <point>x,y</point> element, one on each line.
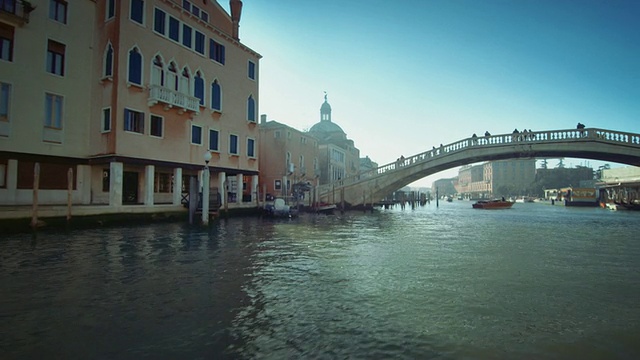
<point>130,84</point>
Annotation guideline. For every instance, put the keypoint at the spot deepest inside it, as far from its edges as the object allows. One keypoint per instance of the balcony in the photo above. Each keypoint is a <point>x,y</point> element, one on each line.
<point>172,98</point>
<point>15,12</point>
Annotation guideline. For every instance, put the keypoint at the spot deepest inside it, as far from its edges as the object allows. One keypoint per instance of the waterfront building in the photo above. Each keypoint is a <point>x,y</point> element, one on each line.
<point>620,186</point>
<point>288,157</point>
<point>510,177</point>
<point>471,183</point>
<point>621,174</point>
<point>129,95</point>
<point>338,157</point>
<point>549,180</point>
<point>496,178</point>
<point>444,187</point>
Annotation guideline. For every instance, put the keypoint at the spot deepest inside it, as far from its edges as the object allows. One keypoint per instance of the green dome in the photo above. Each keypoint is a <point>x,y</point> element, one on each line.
<point>326,127</point>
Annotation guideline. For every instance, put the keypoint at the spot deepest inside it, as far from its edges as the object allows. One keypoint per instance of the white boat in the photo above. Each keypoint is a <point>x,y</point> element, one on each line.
<point>615,207</point>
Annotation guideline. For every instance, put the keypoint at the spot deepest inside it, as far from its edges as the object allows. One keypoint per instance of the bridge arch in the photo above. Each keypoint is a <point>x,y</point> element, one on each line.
<point>590,143</point>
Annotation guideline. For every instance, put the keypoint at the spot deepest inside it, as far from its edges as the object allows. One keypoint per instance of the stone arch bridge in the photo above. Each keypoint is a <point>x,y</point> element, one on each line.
<point>590,143</point>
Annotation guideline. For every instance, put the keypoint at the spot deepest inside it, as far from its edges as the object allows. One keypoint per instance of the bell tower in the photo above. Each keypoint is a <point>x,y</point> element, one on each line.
<point>325,110</point>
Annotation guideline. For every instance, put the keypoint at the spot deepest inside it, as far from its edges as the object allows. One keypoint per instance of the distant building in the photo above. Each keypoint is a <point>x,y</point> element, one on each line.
<point>129,95</point>
<point>562,177</point>
<point>496,178</point>
<point>510,177</point>
<point>338,157</point>
<point>367,164</point>
<point>472,183</point>
<point>444,187</point>
<point>287,156</point>
<point>621,174</point>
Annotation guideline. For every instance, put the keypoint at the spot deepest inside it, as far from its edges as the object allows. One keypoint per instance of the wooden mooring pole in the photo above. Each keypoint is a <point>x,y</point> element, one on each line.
<point>69,192</point>
<point>193,198</point>
<point>36,185</point>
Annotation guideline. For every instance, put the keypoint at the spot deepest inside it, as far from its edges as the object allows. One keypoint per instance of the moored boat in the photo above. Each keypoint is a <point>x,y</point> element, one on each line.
<point>325,208</point>
<point>584,197</point>
<point>278,208</point>
<point>492,204</point>
<point>614,206</point>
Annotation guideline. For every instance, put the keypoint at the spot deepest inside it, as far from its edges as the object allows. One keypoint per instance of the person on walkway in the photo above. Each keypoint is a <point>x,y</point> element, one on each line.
<point>474,139</point>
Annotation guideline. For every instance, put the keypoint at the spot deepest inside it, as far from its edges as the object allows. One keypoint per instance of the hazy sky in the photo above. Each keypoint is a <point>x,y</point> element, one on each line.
<point>403,76</point>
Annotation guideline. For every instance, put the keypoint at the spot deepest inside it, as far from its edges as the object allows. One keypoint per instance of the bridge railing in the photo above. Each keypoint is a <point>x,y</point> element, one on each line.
<point>488,141</point>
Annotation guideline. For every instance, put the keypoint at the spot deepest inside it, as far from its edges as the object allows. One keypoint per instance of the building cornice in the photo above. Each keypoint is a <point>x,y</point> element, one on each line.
<point>212,28</point>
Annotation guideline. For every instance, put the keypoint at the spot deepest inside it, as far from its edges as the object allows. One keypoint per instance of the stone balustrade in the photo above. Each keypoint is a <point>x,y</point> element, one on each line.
<point>173,98</point>
<point>533,137</point>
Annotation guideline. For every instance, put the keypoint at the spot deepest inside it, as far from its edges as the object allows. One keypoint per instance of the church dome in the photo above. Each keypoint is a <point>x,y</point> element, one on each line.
<point>326,127</point>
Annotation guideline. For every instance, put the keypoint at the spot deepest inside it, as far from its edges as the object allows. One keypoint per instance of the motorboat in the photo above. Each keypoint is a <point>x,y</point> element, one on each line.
<point>278,208</point>
<point>492,204</point>
<point>614,206</point>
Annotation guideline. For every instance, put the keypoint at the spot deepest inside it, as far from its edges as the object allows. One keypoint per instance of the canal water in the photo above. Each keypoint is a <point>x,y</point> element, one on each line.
<point>447,282</point>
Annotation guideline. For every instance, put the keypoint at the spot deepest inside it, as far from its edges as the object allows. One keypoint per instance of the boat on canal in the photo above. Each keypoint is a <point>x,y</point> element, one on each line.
<point>584,197</point>
<point>278,208</point>
<point>324,208</point>
<point>492,204</point>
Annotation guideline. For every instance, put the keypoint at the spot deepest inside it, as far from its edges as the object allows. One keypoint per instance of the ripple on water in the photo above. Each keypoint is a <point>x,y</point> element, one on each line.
<point>444,283</point>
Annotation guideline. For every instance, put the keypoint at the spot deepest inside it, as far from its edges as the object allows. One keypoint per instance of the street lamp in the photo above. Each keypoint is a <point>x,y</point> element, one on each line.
<point>205,189</point>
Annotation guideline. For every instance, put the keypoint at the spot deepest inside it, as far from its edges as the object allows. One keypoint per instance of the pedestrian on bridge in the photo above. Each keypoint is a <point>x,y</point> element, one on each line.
<point>580,127</point>
<point>515,135</point>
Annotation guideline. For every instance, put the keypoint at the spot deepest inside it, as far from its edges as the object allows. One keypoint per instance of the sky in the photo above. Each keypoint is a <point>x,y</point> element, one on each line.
<point>404,76</point>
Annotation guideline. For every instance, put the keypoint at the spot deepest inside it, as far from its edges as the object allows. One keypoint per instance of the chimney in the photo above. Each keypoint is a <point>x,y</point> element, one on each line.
<point>263,119</point>
<point>236,11</point>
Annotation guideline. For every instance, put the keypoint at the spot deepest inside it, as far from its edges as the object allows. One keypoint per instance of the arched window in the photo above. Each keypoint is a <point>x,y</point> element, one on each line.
<point>108,61</point>
<point>251,109</point>
<point>135,66</point>
<point>157,71</point>
<point>172,78</point>
<point>198,87</point>
<point>185,81</point>
<point>216,96</point>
